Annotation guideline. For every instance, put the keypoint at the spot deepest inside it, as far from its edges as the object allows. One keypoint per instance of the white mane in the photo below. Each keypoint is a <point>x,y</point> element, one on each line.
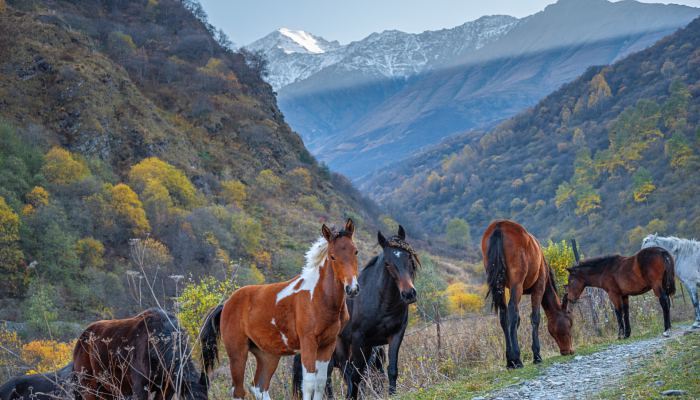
<point>315,258</point>
<point>316,255</point>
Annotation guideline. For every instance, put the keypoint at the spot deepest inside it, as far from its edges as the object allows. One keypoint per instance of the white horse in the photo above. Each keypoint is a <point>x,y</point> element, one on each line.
<point>687,256</point>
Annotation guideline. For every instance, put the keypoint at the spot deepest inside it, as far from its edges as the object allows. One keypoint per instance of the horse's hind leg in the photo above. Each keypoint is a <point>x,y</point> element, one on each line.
<point>616,299</point>
<point>665,302</point>
<point>693,289</point>
<point>237,349</point>
<point>265,368</point>
<point>626,315</point>
<point>513,324</point>
<point>535,321</point>
<point>503,319</point>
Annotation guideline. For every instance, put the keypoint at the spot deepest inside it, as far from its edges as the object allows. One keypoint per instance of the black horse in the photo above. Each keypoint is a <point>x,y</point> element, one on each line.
<point>378,316</point>
<point>47,386</point>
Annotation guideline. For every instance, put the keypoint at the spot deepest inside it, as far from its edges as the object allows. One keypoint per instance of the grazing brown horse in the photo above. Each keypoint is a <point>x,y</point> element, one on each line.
<point>303,314</point>
<point>144,355</point>
<point>650,269</point>
<point>513,259</point>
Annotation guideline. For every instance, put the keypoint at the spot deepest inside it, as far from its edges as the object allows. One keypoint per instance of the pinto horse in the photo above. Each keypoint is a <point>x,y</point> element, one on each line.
<point>378,316</point>
<point>47,386</point>
<point>651,268</point>
<point>303,314</point>
<point>513,259</point>
<point>144,355</point>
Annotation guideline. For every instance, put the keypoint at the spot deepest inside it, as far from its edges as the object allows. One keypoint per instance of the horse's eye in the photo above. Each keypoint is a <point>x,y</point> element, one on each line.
<point>356,252</point>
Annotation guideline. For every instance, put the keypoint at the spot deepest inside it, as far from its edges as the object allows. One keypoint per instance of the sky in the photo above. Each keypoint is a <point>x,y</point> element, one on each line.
<point>348,20</point>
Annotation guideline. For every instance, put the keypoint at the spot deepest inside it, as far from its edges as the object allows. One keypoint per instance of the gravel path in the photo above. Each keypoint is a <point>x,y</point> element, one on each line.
<point>584,376</point>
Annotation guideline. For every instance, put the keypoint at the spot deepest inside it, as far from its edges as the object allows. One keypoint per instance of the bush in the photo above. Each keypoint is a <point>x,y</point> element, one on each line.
<point>233,192</point>
<point>60,168</point>
<point>268,182</point>
<point>11,257</point>
<point>90,252</point>
<point>461,301</point>
<point>154,171</point>
<point>197,299</point>
<point>559,256</point>
<point>46,355</point>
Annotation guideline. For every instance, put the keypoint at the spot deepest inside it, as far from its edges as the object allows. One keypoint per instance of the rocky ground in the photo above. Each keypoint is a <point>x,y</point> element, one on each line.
<point>584,376</point>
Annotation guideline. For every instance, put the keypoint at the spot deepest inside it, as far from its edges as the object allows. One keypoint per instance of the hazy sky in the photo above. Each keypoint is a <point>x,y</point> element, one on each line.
<point>347,20</point>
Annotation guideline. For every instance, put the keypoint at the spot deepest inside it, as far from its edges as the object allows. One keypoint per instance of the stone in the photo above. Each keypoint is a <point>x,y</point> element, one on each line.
<point>674,392</point>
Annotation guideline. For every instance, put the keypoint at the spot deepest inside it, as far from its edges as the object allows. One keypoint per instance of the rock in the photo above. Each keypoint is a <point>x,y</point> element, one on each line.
<point>674,392</point>
<point>577,358</point>
<point>479,398</point>
<point>658,383</point>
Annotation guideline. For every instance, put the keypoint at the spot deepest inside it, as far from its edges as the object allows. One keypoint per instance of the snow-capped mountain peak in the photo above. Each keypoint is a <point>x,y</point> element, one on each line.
<point>307,41</point>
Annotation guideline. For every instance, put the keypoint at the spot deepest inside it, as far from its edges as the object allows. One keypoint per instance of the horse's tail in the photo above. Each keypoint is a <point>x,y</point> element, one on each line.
<point>209,338</point>
<point>496,269</point>
<point>669,278</point>
<point>296,377</point>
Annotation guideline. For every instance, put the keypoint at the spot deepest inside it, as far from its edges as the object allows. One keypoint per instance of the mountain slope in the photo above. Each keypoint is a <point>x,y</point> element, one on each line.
<point>128,120</point>
<point>353,116</point>
<point>605,159</point>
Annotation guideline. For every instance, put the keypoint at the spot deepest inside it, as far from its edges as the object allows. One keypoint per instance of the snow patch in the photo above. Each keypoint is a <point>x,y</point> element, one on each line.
<point>303,39</point>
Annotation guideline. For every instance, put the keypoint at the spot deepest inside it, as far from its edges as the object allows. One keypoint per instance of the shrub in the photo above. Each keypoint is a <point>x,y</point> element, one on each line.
<point>311,203</point>
<point>461,301</point>
<point>11,256</point>
<point>154,171</point>
<point>559,256</point>
<point>60,168</point>
<point>46,355</point>
<point>90,252</point>
<point>268,182</point>
<point>38,197</point>
<point>197,299</point>
<point>128,208</point>
<point>233,192</point>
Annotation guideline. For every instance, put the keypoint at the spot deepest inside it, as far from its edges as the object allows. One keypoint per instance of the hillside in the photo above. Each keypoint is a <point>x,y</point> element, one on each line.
<point>394,92</point>
<point>606,159</point>
<point>131,134</point>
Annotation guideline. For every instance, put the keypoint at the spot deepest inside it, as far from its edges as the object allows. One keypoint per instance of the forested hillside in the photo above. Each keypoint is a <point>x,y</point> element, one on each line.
<point>133,136</point>
<point>606,159</point>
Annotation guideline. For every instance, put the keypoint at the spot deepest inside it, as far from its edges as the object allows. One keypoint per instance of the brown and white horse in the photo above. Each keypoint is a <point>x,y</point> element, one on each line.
<point>302,315</point>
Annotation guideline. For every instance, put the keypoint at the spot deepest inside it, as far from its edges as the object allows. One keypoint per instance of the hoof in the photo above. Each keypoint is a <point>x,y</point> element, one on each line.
<point>666,333</point>
<point>696,325</point>
<point>537,360</point>
<point>514,364</point>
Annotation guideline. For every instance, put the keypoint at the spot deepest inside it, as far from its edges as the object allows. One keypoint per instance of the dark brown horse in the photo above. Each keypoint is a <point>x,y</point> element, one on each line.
<point>147,354</point>
<point>650,269</point>
<point>513,259</point>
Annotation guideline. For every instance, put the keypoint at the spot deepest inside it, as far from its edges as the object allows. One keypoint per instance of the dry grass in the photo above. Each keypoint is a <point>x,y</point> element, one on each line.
<point>475,344</point>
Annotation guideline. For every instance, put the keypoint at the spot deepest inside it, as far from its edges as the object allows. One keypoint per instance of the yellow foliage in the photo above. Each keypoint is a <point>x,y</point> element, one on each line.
<point>154,171</point>
<point>599,89</point>
<point>559,256</point>
<point>28,209</point>
<point>310,202</point>
<point>301,178</point>
<point>11,345</point>
<point>3,6</point>
<point>587,202</point>
<point>38,197</point>
<point>9,224</point>
<point>390,224</point>
<point>263,258</point>
<point>233,192</point>
<point>461,301</point>
<point>268,181</point>
<point>46,355</point>
<point>641,192</point>
<point>61,168</point>
<point>90,252</point>
<point>126,205</point>
<point>197,299</point>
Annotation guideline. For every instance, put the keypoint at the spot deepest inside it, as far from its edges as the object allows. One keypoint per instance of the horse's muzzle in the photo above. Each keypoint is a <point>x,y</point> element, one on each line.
<point>409,296</point>
<point>353,288</point>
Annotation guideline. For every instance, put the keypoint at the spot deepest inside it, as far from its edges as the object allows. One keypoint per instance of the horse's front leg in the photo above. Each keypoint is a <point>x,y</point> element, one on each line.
<point>314,361</point>
<point>536,299</point>
<point>394,346</point>
<point>616,299</point>
<point>356,366</point>
<point>626,315</point>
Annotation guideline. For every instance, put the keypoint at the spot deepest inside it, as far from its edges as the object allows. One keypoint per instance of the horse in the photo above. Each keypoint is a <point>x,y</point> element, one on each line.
<point>48,386</point>
<point>137,356</point>
<point>686,255</point>
<point>378,316</point>
<point>651,268</point>
<point>303,314</point>
<point>513,259</point>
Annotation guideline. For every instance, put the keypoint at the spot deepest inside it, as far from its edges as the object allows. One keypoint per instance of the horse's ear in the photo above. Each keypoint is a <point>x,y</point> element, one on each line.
<point>381,239</point>
<point>402,233</point>
<point>326,233</point>
<point>350,226</point>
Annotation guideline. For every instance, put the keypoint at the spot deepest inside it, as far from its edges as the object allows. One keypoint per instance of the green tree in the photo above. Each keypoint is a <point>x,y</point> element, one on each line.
<point>457,233</point>
<point>11,257</point>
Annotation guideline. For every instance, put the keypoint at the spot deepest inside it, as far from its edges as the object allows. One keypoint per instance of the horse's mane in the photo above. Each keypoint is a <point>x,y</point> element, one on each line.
<point>552,280</point>
<point>683,241</point>
<point>371,262</point>
<point>595,262</point>
<point>316,255</point>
